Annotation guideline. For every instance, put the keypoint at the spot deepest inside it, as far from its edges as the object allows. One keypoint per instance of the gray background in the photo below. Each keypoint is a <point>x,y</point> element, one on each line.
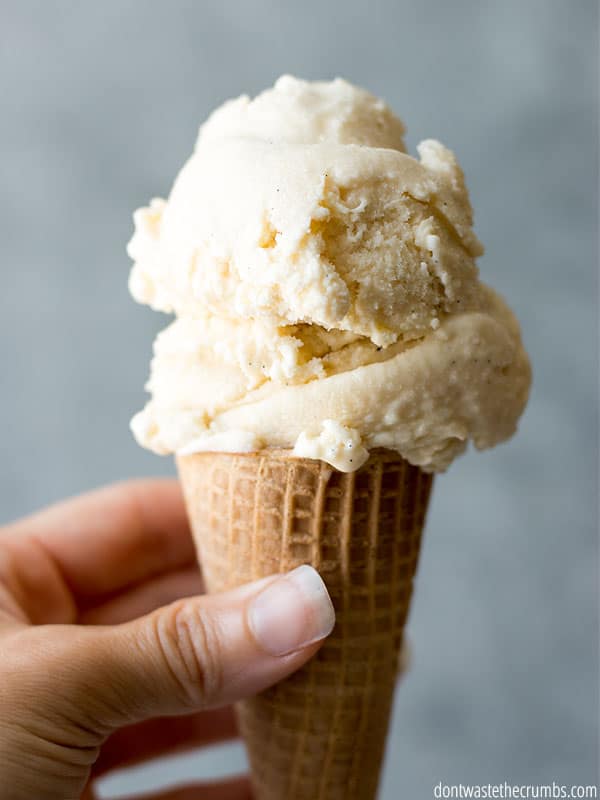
<point>100,103</point>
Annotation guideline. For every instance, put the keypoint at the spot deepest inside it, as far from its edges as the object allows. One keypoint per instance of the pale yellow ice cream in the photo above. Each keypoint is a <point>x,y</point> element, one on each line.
<point>325,291</point>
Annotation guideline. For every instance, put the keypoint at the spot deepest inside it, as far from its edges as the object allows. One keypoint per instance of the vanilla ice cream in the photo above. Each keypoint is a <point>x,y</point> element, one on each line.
<point>325,289</point>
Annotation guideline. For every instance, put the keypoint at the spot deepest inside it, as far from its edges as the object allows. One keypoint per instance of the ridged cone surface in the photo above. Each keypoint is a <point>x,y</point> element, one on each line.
<point>320,734</point>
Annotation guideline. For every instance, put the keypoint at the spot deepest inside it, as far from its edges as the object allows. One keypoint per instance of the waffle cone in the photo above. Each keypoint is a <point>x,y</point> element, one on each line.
<point>320,734</point>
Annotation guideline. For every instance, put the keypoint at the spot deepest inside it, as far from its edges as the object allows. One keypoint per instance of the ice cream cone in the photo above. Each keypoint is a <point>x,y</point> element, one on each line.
<point>320,734</point>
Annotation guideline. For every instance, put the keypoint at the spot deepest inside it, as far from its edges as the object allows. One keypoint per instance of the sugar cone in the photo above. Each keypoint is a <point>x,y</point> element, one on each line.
<point>320,734</point>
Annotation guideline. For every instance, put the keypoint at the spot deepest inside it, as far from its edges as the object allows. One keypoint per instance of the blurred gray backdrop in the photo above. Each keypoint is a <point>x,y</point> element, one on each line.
<point>100,105</point>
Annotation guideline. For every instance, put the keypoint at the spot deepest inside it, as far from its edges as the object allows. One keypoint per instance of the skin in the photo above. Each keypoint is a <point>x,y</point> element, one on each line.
<point>110,656</point>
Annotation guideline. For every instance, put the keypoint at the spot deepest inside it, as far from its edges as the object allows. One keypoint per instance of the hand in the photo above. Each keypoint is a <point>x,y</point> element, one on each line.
<point>88,662</point>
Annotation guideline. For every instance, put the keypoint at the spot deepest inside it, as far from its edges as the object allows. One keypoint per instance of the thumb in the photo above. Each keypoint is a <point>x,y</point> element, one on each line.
<point>205,651</point>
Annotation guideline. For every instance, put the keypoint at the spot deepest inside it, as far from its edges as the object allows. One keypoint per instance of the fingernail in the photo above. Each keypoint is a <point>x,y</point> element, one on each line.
<point>292,612</point>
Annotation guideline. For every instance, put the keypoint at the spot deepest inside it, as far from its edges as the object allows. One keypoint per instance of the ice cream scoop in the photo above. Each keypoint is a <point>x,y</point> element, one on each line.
<point>325,288</point>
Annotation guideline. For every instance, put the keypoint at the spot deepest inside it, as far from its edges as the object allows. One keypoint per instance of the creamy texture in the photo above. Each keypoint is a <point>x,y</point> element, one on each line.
<point>348,237</point>
<point>325,290</point>
<point>339,446</point>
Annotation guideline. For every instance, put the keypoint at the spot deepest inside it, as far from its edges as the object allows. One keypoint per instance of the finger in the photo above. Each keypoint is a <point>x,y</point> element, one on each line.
<point>165,736</point>
<point>144,598</point>
<point>201,652</point>
<point>114,537</point>
<point>233,789</point>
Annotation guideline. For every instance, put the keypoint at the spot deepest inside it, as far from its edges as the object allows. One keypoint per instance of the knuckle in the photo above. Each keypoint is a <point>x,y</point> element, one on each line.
<point>190,641</point>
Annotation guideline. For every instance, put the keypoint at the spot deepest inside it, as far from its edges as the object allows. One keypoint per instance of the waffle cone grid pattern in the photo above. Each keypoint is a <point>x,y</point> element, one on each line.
<point>320,734</point>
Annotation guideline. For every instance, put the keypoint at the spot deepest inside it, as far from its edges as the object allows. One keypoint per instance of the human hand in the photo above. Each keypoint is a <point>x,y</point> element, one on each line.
<point>94,676</point>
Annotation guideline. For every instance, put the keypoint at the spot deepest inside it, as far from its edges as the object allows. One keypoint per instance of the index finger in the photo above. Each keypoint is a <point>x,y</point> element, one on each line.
<point>106,540</point>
